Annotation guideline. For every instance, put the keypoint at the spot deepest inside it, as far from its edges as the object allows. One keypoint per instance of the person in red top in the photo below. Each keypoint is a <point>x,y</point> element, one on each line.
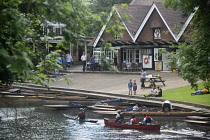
<point>148,120</point>
<point>81,115</point>
<point>133,120</point>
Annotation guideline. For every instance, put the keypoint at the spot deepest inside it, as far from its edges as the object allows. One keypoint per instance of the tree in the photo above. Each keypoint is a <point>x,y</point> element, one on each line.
<point>194,54</point>
<point>21,48</point>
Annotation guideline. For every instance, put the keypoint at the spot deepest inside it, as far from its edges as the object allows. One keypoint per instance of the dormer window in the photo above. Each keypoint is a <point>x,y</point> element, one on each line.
<point>157,33</point>
<point>117,37</point>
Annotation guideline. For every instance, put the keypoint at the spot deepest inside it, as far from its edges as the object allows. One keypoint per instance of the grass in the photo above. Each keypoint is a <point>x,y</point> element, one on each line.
<point>184,94</point>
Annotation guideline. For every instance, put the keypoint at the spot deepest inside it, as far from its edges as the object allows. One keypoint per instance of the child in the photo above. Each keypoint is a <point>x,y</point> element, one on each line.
<point>130,85</point>
<point>134,87</point>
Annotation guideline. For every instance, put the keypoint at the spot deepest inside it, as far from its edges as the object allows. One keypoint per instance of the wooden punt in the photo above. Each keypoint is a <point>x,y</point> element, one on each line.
<point>101,108</point>
<point>198,122</point>
<point>108,122</point>
<point>168,114</point>
<point>94,102</point>
<point>64,106</point>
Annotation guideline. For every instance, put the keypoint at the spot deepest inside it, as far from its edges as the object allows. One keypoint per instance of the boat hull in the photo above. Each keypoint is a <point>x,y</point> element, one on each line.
<point>125,126</point>
<point>91,103</point>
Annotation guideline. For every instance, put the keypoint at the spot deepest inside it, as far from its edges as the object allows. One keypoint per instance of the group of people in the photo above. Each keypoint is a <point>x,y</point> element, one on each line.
<point>155,92</point>
<point>91,61</point>
<point>132,86</point>
<point>136,108</point>
<point>65,60</point>
<point>120,119</point>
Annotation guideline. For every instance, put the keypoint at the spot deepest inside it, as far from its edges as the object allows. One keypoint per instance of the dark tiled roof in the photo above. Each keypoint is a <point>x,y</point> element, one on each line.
<point>136,15</point>
<point>144,2</point>
<point>173,18</point>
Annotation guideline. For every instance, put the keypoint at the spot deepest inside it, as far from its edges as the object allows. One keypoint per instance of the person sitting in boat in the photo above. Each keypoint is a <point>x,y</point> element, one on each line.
<point>136,107</point>
<point>119,117</point>
<point>148,120</point>
<point>81,115</point>
<point>167,104</point>
<point>144,109</point>
<point>133,120</point>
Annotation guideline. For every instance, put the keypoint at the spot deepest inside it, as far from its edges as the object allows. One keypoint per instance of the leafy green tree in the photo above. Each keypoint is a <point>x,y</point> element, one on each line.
<point>22,52</point>
<point>194,54</point>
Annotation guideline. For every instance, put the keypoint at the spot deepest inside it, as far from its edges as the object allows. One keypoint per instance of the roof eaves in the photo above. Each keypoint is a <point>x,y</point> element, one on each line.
<point>186,24</point>
<point>125,26</point>
<point>144,22</point>
<point>165,22</point>
<point>103,28</point>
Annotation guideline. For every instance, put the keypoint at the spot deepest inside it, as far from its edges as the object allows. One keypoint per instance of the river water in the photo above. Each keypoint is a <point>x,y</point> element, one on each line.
<point>34,122</point>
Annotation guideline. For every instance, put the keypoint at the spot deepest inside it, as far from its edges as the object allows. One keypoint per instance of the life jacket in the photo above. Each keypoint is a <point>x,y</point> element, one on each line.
<point>82,115</point>
<point>134,121</point>
<point>148,119</point>
<point>121,116</point>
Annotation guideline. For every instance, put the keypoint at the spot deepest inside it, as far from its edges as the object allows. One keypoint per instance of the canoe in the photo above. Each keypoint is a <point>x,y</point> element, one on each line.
<point>92,102</point>
<point>86,120</point>
<point>107,122</point>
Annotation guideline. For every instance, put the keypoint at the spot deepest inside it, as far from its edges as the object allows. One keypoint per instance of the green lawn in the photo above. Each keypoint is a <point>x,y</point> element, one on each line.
<point>184,94</point>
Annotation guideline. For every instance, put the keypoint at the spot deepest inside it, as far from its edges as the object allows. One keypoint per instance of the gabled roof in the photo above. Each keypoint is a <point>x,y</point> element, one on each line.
<point>136,15</point>
<point>174,20</point>
<point>144,2</point>
<point>140,11</point>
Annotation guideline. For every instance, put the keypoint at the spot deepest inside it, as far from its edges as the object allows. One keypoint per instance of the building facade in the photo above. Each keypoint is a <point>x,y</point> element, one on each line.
<point>151,28</point>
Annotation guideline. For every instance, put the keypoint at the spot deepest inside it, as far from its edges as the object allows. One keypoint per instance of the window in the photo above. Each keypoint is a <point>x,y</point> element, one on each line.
<point>157,33</point>
<point>117,37</point>
<point>58,31</point>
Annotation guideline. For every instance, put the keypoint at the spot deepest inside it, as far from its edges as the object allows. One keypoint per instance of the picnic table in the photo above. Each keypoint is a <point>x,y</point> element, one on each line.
<point>154,79</point>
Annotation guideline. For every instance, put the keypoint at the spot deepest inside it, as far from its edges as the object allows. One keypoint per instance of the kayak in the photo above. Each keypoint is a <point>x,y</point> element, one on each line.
<point>85,120</point>
<point>108,122</point>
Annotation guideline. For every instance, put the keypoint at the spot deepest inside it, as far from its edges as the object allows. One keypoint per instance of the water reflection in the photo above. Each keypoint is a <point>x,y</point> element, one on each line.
<point>49,124</point>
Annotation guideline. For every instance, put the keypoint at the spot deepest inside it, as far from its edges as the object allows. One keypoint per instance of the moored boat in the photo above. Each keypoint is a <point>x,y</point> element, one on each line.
<point>92,102</point>
<point>109,122</point>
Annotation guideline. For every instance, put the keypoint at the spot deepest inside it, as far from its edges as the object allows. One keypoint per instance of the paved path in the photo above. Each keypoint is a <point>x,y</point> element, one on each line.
<point>115,83</point>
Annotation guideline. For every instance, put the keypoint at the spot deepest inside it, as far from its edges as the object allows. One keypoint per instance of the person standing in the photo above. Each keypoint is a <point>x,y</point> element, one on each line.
<point>63,58</point>
<point>84,59</point>
<point>167,104</point>
<point>115,61</point>
<point>92,63</point>
<point>148,120</point>
<point>130,85</point>
<point>69,60</point>
<point>134,87</point>
<point>143,78</point>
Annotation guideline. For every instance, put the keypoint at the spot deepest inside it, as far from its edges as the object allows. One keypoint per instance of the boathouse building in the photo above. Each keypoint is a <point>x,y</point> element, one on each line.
<point>149,28</point>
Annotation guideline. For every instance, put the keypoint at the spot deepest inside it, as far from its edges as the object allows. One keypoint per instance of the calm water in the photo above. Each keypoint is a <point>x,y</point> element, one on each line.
<point>40,123</point>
